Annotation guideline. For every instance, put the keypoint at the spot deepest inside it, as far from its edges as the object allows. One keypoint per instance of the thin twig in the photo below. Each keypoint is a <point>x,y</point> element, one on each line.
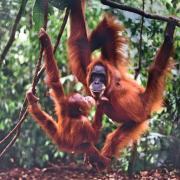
<point>61,30</point>
<point>10,143</point>
<point>140,12</point>
<point>137,71</point>
<point>13,32</point>
<point>23,112</point>
<point>16,127</point>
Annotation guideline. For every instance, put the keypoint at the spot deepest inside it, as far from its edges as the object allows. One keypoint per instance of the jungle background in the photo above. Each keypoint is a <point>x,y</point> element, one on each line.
<point>160,147</point>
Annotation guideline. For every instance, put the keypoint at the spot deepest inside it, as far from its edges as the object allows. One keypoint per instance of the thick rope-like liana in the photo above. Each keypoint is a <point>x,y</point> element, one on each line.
<point>23,113</point>
<point>38,73</point>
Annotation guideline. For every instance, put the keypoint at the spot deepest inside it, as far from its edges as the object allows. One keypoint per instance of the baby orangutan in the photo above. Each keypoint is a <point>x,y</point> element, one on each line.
<point>73,131</point>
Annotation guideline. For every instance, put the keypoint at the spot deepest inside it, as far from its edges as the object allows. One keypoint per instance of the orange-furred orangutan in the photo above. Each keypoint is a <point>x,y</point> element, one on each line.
<point>128,103</point>
<point>73,131</point>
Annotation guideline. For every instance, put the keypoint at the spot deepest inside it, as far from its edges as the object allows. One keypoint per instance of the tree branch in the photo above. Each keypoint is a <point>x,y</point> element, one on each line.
<point>138,69</point>
<point>13,32</point>
<point>141,12</point>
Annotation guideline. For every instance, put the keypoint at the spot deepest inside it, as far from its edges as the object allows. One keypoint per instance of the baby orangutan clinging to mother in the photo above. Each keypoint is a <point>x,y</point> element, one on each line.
<point>73,131</point>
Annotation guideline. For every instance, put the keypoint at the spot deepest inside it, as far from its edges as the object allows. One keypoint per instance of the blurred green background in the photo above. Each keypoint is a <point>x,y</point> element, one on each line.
<point>159,147</point>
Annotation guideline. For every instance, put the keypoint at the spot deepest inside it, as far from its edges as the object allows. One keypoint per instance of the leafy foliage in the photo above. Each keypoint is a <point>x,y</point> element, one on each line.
<point>38,13</point>
<point>60,4</point>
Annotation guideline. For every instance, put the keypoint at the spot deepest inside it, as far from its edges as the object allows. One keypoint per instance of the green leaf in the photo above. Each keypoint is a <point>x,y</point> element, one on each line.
<point>38,14</point>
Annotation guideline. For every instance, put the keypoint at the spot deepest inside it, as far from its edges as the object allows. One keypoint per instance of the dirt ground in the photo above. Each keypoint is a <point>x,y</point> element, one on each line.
<point>73,171</point>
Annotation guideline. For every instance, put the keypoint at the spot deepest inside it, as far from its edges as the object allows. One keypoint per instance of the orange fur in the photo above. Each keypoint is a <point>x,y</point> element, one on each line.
<point>113,146</point>
<point>129,103</point>
<point>108,36</point>
<point>73,131</point>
